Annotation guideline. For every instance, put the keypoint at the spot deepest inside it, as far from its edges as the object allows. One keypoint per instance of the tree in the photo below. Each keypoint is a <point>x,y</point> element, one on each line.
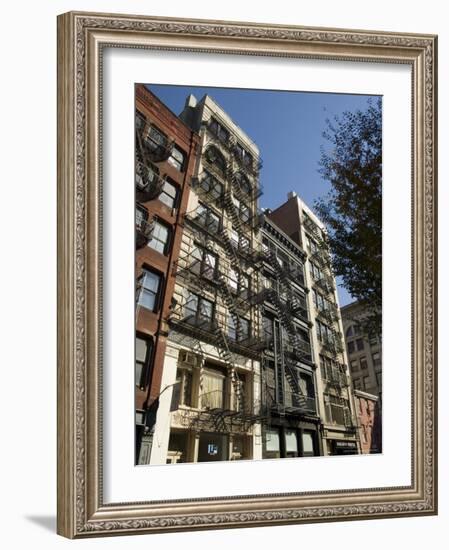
<point>352,210</point>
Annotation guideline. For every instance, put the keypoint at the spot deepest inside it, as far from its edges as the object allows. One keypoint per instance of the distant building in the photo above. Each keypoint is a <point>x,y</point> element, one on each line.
<point>365,363</point>
<point>369,421</point>
<point>333,388</point>
<point>292,424</point>
<point>165,158</point>
<point>364,351</point>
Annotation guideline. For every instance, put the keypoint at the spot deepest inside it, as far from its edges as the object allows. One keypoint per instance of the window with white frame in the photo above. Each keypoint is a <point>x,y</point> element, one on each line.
<point>213,386</point>
<point>169,194</point>
<point>160,238</point>
<point>177,158</point>
<point>149,289</point>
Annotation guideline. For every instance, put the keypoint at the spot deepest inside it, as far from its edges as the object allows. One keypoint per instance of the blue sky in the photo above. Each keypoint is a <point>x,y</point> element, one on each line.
<point>287,127</point>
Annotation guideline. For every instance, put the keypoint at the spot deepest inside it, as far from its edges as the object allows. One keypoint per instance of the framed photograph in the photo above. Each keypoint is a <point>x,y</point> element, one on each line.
<point>246,214</point>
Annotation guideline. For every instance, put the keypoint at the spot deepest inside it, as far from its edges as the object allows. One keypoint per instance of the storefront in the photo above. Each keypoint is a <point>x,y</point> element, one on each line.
<point>290,442</point>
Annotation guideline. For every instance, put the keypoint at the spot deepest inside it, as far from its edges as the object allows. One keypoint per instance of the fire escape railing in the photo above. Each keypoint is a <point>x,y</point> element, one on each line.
<point>144,228</point>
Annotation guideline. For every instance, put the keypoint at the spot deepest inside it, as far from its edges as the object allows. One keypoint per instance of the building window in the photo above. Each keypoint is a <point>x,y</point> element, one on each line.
<point>209,219</point>
<point>360,344</point>
<point>212,186</point>
<point>351,347</point>
<point>350,332</point>
<point>243,155</point>
<point>366,383</point>
<point>149,290</point>
<point>215,158</point>
<point>337,409</point>
<point>184,377</point>
<point>199,308</point>
<point>239,241</point>
<point>354,365</point>
<point>239,332</point>
<point>177,158</point>
<point>376,359</point>
<point>272,443</point>
<point>242,209</point>
<point>238,448</point>
<point>177,447</point>
<point>160,238</point>
<point>204,262</point>
<point>219,130</point>
<point>213,388</point>
<point>155,139</point>
<point>140,120</point>
<point>169,194</point>
<point>308,446</point>
<point>146,175</point>
<point>144,347</point>
<point>363,363</point>
<point>379,380</point>
<point>141,217</point>
<point>357,383</point>
<point>244,328</point>
<point>291,444</point>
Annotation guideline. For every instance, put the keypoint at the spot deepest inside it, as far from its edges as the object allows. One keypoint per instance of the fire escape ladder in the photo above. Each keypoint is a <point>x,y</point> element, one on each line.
<point>144,227</point>
<point>231,210</point>
<point>230,250</point>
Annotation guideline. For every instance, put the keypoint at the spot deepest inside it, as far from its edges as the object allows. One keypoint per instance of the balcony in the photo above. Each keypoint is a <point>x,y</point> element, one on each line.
<point>332,345</point>
<point>292,403</point>
<point>325,283</point>
<point>328,314</point>
<point>320,256</point>
<point>202,221</point>
<point>214,329</point>
<point>154,147</point>
<point>300,350</point>
<point>148,182</point>
<point>144,228</point>
<point>310,226</point>
<point>208,189</point>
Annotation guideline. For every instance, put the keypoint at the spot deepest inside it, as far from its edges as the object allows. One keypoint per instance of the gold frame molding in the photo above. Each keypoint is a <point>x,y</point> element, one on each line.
<point>81,39</point>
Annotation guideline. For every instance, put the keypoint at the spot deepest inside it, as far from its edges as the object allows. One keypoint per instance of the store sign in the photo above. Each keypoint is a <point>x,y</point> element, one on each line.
<point>345,444</point>
<point>212,449</point>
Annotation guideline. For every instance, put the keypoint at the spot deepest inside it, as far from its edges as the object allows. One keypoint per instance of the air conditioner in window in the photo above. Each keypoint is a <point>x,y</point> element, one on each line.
<point>188,358</point>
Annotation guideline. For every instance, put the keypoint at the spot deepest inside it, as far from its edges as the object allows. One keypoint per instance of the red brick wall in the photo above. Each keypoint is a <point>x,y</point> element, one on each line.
<point>148,322</point>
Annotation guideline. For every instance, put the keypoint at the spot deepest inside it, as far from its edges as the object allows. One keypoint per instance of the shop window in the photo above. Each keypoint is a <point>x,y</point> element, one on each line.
<point>272,444</point>
<point>308,444</point>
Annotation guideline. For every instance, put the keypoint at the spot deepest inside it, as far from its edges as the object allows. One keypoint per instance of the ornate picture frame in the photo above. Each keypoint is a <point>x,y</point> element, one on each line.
<point>82,38</point>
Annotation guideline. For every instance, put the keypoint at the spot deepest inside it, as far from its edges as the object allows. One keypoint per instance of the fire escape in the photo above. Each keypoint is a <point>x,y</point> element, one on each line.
<point>151,149</point>
<point>328,313</point>
<point>288,345</point>
<point>228,328</point>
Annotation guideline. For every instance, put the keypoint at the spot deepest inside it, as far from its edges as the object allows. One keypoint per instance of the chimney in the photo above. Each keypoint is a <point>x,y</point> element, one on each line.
<point>291,195</point>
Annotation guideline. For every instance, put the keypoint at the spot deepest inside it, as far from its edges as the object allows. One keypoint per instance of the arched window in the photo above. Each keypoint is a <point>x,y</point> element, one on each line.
<point>349,332</point>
